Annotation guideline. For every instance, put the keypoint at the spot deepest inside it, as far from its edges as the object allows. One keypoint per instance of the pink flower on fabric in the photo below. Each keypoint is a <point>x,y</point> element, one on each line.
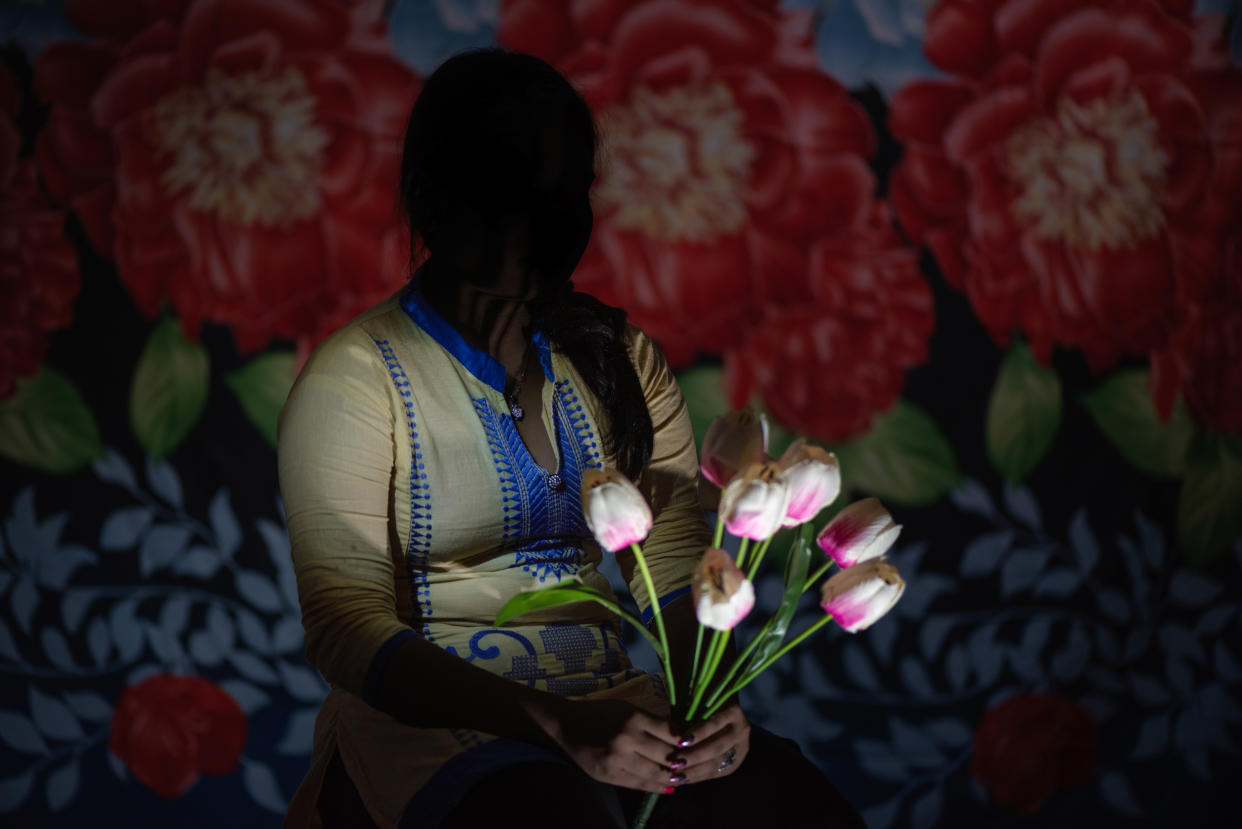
<point>863,530</point>
<point>753,505</point>
<point>858,597</point>
<point>615,510</point>
<point>722,593</point>
<point>814,479</point>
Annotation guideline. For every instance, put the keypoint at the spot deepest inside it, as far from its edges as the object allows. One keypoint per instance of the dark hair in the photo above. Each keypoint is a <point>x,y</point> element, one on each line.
<point>498,137</point>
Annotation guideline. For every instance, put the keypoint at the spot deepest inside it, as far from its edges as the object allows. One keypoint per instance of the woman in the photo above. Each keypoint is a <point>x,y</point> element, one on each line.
<point>430,458</point>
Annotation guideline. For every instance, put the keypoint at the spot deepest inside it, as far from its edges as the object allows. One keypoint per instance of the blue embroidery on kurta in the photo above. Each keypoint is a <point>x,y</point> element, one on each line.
<point>479,363</point>
<point>494,651</point>
<point>543,527</point>
<point>418,548</point>
<point>585,660</point>
<point>587,444</point>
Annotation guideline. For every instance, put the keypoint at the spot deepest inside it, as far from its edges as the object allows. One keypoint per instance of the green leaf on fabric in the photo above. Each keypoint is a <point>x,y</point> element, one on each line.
<point>261,387</point>
<point>904,458</point>
<point>1209,506</point>
<point>169,390</point>
<point>1024,413</point>
<point>703,388</point>
<point>47,426</point>
<point>1121,406</point>
<point>797,563</point>
<point>568,593</point>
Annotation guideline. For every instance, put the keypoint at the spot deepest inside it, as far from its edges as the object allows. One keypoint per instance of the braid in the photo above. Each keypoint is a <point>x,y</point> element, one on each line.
<point>592,335</point>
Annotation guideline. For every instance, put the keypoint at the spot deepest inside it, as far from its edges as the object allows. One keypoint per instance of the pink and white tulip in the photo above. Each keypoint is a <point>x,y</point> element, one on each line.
<point>722,593</point>
<point>814,479</point>
<point>858,597</point>
<point>732,443</point>
<point>863,530</point>
<point>615,511</point>
<point>753,504</point>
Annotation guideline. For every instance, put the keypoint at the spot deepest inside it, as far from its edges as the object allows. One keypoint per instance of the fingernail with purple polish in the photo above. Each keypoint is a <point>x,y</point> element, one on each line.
<point>678,763</point>
<point>676,778</point>
<point>686,741</point>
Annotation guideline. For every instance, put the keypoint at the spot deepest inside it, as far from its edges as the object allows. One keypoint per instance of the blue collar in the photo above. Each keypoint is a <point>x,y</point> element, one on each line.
<point>482,365</point>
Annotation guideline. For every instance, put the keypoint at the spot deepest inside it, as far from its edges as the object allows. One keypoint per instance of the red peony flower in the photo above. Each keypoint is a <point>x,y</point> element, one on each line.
<point>238,158</point>
<point>1058,178</point>
<point>1203,358</point>
<point>830,359</point>
<point>727,156</point>
<point>38,268</point>
<point>169,729</point>
<point>1031,745</point>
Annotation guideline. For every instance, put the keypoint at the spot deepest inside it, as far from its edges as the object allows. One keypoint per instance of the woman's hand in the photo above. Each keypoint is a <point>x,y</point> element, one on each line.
<point>616,743</point>
<point>719,747</point>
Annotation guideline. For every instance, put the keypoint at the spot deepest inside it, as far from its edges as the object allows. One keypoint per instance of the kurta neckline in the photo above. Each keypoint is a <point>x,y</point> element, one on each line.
<point>483,366</point>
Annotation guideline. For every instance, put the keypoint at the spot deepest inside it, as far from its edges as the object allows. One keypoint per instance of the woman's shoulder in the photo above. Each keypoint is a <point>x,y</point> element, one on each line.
<point>359,342</point>
<point>646,356</point>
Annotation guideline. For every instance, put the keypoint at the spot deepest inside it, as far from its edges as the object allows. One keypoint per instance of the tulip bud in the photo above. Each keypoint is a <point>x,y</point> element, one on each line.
<point>732,443</point>
<point>615,510</point>
<point>722,593</point>
<point>814,479</point>
<point>861,531</point>
<point>753,505</point>
<point>856,598</point>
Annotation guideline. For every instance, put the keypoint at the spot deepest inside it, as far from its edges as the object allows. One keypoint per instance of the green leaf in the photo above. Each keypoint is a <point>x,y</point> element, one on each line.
<point>1121,406</point>
<point>1023,413</point>
<point>703,388</point>
<point>568,593</point>
<point>169,390</point>
<point>46,425</point>
<point>904,458</point>
<point>797,563</point>
<point>261,387</point>
<point>1209,506</point>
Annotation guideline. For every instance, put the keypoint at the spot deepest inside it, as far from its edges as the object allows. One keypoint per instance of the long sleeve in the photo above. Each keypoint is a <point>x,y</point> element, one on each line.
<point>336,462</point>
<point>679,534</point>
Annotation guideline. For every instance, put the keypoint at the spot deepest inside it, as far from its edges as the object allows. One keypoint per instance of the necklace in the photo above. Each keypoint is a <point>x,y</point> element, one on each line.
<point>515,408</point>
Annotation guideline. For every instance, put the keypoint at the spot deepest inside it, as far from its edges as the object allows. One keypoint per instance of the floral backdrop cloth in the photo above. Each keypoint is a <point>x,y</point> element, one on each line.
<point>987,251</point>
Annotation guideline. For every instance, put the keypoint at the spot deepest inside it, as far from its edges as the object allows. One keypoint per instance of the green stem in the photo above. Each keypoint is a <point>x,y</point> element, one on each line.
<point>742,548</point>
<point>759,554</point>
<point>763,666</point>
<point>698,647</point>
<point>644,811</point>
<point>714,652</point>
<point>741,660</point>
<point>718,537</point>
<point>814,577</point>
<point>654,601</point>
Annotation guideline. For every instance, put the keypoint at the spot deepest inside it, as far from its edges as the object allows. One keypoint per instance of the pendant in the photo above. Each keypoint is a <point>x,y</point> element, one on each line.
<point>516,411</point>
<point>554,481</point>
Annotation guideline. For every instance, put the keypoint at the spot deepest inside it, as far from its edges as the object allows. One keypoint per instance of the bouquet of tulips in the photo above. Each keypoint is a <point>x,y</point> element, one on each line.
<point>758,496</point>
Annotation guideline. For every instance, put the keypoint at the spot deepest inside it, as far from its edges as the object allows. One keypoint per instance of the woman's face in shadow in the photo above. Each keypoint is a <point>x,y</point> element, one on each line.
<point>545,239</point>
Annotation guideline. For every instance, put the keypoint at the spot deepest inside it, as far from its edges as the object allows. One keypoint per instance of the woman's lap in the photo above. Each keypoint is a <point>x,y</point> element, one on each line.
<point>776,785</point>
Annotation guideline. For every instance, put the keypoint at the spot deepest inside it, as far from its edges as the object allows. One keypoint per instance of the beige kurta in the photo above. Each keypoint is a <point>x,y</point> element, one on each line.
<point>414,509</point>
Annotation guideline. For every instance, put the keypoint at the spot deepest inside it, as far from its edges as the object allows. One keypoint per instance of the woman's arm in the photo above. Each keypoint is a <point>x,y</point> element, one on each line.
<point>611,740</point>
<point>679,534</point>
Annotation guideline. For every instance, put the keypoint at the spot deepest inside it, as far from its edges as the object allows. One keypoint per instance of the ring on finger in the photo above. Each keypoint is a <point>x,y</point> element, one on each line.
<point>727,760</point>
